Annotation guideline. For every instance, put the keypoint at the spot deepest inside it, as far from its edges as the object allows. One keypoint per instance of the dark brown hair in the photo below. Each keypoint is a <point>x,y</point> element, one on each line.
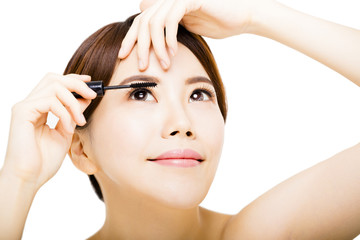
<point>97,56</point>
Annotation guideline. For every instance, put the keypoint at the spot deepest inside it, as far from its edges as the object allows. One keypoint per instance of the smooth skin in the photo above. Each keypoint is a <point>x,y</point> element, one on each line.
<point>323,41</point>
<point>321,202</point>
<point>35,152</point>
<point>126,131</point>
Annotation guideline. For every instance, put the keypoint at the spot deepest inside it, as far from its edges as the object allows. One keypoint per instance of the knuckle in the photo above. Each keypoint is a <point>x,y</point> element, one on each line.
<point>154,22</point>
<point>16,107</point>
<point>68,79</point>
<point>170,22</point>
<point>65,117</point>
<point>71,77</point>
<point>141,20</point>
<point>50,76</point>
<point>53,101</point>
<point>143,46</point>
<point>74,105</point>
<point>138,18</point>
<point>55,86</point>
<point>21,106</point>
<point>142,5</point>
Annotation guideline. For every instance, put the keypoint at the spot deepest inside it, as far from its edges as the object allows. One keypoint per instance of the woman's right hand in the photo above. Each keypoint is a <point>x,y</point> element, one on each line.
<point>35,152</point>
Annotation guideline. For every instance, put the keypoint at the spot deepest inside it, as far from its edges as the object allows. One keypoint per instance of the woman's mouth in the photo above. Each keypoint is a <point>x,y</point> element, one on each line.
<point>179,158</point>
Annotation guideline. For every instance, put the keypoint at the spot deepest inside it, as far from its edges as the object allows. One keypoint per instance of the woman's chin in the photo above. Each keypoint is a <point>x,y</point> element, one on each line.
<point>179,197</point>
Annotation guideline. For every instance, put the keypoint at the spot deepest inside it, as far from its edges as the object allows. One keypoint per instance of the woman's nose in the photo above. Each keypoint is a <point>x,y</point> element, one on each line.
<point>188,133</point>
<point>178,124</point>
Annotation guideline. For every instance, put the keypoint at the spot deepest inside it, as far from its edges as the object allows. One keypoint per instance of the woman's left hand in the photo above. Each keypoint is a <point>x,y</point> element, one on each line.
<point>211,18</point>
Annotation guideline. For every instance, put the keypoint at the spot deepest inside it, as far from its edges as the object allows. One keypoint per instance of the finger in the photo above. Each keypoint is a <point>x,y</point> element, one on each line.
<point>51,77</point>
<point>64,116</point>
<point>84,103</point>
<point>78,86</point>
<point>174,16</point>
<point>157,25</point>
<point>63,129</point>
<point>61,88</point>
<point>72,105</point>
<point>85,78</point>
<point>36,109</point>
<point>130,39</point>
<point>74,82</point>
<point>171,39</point>
<point>143,42</point>
<point>143,35</point>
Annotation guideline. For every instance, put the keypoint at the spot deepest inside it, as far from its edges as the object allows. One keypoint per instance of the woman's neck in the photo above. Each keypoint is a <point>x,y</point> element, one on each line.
<point>131,216</point>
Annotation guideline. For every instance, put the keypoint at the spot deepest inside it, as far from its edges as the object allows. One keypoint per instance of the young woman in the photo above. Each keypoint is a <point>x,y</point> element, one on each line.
<point>154,152</point>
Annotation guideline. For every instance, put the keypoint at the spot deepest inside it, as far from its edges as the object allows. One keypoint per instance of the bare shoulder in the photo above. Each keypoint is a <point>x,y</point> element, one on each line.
<point>219,226</point>
<point>321,202</point>
<point>250,223</point>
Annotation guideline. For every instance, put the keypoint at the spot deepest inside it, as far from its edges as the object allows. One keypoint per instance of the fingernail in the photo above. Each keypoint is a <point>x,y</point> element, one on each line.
<point>164,64</point>
<point>85,77</point>
<point>92,93</point>
<point>121,52</point>
<point>141,64</point>
<point>82,119</point>
<point>172,52</point>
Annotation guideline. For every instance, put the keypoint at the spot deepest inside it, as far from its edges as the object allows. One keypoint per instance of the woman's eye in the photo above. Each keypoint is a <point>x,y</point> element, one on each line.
<point>142,95</point>
<point>200,95</point>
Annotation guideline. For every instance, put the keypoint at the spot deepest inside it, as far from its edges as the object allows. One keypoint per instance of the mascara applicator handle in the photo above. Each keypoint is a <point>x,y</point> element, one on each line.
<point>96,86</point>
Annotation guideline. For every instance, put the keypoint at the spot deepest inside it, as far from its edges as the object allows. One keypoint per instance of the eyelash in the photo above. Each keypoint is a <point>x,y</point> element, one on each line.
<point>210,92</point>
<point>133,92</point>
<point>204,89</point>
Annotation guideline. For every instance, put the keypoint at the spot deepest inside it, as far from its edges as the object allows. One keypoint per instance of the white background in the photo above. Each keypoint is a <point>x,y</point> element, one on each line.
<point>287,112</point>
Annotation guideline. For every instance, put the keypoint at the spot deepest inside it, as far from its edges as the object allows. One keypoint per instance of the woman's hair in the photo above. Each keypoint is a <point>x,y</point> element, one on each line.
<point>97,57</point>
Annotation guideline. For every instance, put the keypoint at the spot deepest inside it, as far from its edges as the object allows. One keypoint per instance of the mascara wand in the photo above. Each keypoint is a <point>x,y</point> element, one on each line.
<point>99,88</point>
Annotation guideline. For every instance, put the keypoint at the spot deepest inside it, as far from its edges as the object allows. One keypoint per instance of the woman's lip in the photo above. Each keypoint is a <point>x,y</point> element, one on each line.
<point>180,154</point>
<point>183,163</point>
<point>179,158</point>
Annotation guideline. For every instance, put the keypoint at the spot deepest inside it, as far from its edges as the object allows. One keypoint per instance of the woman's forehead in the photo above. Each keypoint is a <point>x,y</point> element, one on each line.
<point>184,65</point>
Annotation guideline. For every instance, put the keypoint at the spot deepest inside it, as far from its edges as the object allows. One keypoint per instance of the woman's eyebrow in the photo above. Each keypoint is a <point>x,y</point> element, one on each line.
<point>147,78</point>
<point>197,79</point>
<point>144,78</point>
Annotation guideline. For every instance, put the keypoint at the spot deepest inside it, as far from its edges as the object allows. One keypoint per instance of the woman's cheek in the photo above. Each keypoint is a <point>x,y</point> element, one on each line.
<point>131,128</point>
<point>119,132</point>
<point>208,118</point>
<point>125,140</point>
<point>210,129</point>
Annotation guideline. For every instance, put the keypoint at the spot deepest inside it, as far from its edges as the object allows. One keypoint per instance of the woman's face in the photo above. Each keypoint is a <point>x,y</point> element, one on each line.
<point>138,137</point>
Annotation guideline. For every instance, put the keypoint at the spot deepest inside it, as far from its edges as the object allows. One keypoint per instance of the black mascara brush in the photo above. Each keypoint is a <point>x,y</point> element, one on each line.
<point>99,88</point>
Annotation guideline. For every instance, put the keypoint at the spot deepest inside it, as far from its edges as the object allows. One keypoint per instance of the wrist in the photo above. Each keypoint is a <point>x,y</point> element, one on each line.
<point>16,198</point>
<point>264,17</point>
<point>16,183</point>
